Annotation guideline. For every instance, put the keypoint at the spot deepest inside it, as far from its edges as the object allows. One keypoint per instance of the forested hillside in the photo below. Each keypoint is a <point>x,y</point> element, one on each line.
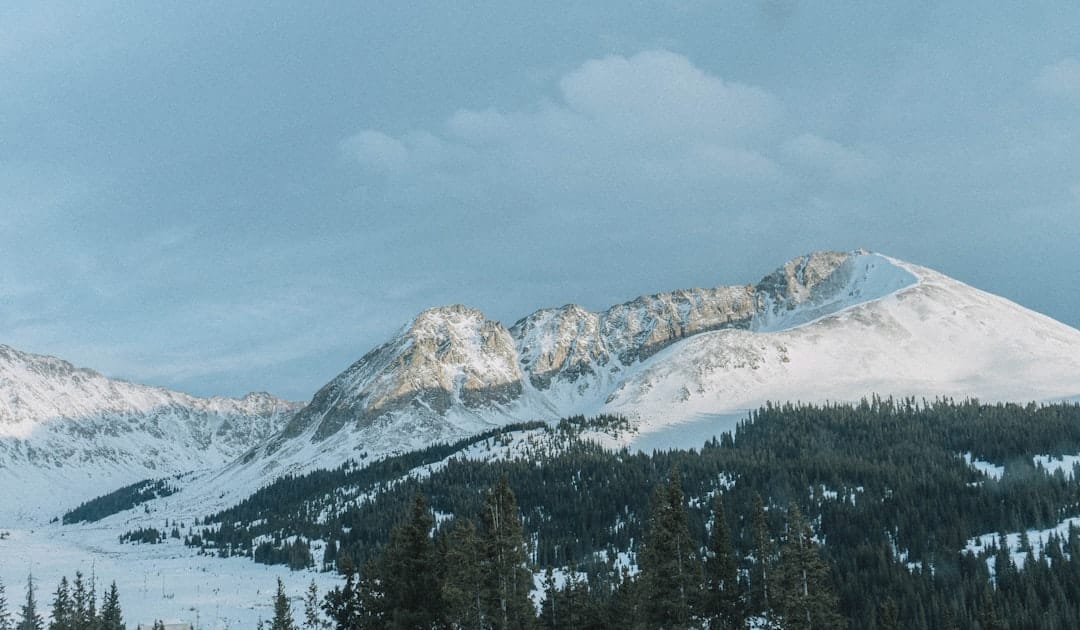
<point>890,494</point>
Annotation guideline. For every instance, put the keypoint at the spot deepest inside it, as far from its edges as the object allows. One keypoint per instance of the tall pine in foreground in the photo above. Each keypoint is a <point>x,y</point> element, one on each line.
<point>508,579</point>
<point>671,573</point>
<point>283,619</point>
<point>30,619</point>
<point>62,617</point>
<point>5,614</point>
<point>111,616</point>
<point>760,570</point>
<point>723,602</point>
<point>408,577</point>
<point>803,597</point>
<point>463,581</point>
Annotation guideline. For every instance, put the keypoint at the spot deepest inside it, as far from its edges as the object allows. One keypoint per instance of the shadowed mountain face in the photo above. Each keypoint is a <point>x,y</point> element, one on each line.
<point>453,364</point>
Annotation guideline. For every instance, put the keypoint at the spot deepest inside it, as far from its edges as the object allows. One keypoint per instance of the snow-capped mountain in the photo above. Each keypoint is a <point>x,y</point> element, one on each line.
<point>829,326</point>
<point>73,433</point>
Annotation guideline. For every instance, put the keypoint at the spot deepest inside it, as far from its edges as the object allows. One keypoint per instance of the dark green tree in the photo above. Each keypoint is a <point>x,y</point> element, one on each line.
<point>62,612</point>
<point>80,604</point>
<point>112,617</point>
<point>550,609</point>
<point>312,614</point>
<point>342,603</point>
<point>723,601</point>
<point>5,613</point>
<point>463,580</point>
<point>803,596</point>
<point>671,570</point>
<point>761,567</point>
<point>889,615</point>
<point>29,618</point>
<point>283,619</point>
<point>409,582</point>
<point>508,581</point>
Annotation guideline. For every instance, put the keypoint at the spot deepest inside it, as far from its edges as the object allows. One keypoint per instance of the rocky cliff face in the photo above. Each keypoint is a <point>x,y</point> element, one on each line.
<point>453,359</point>
<point>450,356</point>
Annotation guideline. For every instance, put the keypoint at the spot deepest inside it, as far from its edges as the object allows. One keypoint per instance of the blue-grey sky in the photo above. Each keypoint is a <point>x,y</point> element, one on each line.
<point>223,197</point>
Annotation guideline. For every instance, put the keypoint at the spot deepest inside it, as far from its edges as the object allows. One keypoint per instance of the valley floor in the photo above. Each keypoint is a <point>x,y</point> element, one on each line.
<point>165,581</point>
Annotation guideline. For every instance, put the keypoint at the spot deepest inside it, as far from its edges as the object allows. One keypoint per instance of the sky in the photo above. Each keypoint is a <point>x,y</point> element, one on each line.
<point>227,197</point>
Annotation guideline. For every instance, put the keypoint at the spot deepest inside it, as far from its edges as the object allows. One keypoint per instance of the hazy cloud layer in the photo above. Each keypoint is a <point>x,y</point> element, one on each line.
<point>220,200</point>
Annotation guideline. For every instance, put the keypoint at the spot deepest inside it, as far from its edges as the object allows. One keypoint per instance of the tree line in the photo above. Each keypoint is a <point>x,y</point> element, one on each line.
<point>74,607</point>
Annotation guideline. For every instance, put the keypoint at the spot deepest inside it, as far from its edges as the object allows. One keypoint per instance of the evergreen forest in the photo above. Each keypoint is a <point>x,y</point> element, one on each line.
<point>877,515</point>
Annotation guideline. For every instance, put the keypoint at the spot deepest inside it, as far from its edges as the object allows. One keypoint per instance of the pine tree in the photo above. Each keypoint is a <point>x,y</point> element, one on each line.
<point>760,572</point>
<point>80,609</point>
<point>5,615</point>
<point>92,614</point>
<point>671,571</point>
<point>508,580</point>
<point>723,600</point>
<point>62,617</point>
<point>463,583</point>
<point>30,618</point>
<point>283,619</point>
<point>409,583</point>
<point>312,615</point>
<point>803,597</point>
<point>342,605</point>
<point>111,616</point>
<point>550,609</point>
<point>889,615</point>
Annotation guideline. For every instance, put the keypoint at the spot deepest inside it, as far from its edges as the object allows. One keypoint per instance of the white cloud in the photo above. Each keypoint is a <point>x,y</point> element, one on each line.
<point>376,149</point>
<point>843,163</point>
<point>662,93</point>
<point>621,136</point>
<point>1061,79</point>
<point>652,121</point>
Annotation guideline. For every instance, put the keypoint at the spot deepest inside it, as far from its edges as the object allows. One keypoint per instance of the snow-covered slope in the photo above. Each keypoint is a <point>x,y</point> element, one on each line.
<point>936,337</point>
<point>829,326</point>
<point>68,434</point>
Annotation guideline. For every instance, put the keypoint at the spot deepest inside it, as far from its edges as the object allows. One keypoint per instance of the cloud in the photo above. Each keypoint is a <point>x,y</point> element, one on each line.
<point>643,129</point>
<point>660,93</point>
<point>843,163</point>
<point>1061,79</point>
<point>376,149</point>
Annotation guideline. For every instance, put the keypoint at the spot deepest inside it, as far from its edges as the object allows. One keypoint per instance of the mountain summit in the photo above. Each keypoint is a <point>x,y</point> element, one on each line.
<point>825,326</point>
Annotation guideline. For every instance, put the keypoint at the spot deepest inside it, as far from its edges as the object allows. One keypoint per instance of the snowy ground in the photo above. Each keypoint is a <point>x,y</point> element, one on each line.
<point>165,581</point>
<point>1037,537</point>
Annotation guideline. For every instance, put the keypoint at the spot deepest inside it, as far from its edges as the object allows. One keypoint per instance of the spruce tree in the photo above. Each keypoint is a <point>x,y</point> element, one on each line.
<point>312,615</point>
<point>342,603</point>
<point>463,582</point>
<point>62,617</point>
<point>803,597</point>
<point>111,616</point>
<point>550,609</point>
<point>723,604</point>
<point>80,607</point>
<point>409,583</point>
<point>508,580</point>
<point>671,571</point>
<point>30,619</point>
<point>93,620</point>
<point>283,619</point>
<point>761,568</point>
<point>5,614</point>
